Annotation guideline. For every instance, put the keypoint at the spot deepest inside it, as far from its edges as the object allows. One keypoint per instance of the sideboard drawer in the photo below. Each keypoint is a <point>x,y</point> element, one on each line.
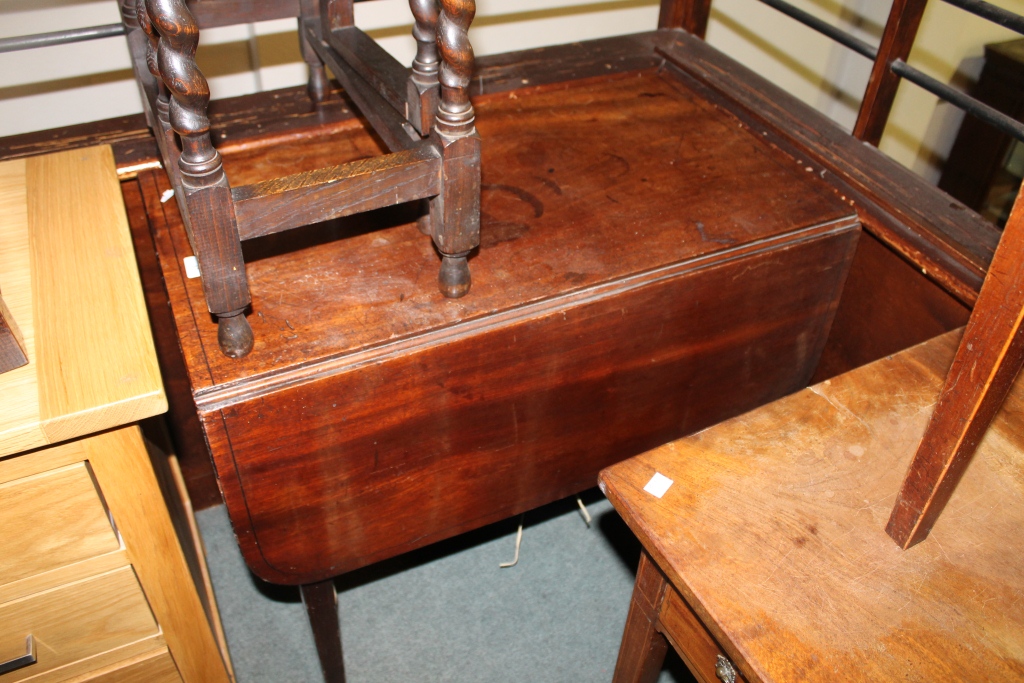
<point>153,667</point>
<point>50,520</point>
<point>75,621</point>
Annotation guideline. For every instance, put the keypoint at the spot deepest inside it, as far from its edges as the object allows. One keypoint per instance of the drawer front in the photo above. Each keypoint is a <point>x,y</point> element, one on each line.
<point>694,644</point>
<point>50,520</point>
<point>329,475</point>
<point>156,667</point>
<point>75,621</point>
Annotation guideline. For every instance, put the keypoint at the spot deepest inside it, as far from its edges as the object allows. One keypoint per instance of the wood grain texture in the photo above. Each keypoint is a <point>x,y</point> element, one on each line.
<point>95,365</point>
<point>555,198</point>
<point>988,360</point>
<point>51,520</point>
<point>76,621</point>
<point>189,444</point>
<point>773,534</point>
<point>872,322</point>
<point>946,241</point>
<point>643,646</point>
<point>570,321</point>
<point>298,200</point>
<point>692,642</point>
<point>20,427</point>
<point>690,15</point>
<point>897,40</point>
<point>121,464</point>
<point>156,666</point>
<point>321,603</point>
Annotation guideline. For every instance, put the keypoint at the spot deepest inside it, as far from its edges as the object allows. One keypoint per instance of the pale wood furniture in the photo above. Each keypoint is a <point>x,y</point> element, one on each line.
<point>93,577</point>
<point>423,116</point>
<point>12,351</point>
<point>769,548</point>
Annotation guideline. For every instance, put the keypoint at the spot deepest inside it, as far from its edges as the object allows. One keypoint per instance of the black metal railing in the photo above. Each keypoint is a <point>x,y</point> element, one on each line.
<point>985,10</point>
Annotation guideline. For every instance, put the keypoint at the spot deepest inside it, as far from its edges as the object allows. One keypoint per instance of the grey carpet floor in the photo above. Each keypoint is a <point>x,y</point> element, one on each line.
<point>448,612</point>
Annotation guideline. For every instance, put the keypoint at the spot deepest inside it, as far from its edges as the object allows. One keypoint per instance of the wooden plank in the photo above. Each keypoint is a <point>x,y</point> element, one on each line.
<point>386,121</point>
<point>316,196</point>
<point>986,363</point>
<point>76,621</point>
<point>871,323</point>
<point>50,520</point>
<point>897,40</point>
<point>691,640</point>
<point>130,488</point>
<point>944,239</point>
<point>156,666</point>
<point>95,362</point>
<point>690,15</point>
<point>376,293</point>
<point>82,669</point>
<point>773,533</point>
<point>543,396</point>
<point>373,63</point>
<point>19,420</point>
<point>214,13</point>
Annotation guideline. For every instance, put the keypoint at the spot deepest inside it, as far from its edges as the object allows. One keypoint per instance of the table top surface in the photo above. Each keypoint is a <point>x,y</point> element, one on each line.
<point>69,278</point>
<point>585,182</point>
<point>773,531</point>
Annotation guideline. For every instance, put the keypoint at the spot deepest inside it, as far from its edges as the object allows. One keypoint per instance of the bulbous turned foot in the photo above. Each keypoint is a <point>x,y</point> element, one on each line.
<point>234,336</point>
<point>454,277</point>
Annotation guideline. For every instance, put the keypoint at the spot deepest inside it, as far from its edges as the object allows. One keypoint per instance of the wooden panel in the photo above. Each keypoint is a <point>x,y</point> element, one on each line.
<point>774,531</point>
<point>96,362</point>
<point>887,306</point>
<point>121,465</point>
<point>19,420</point>
<point>189,444</point>
<point>152,667</point>
<point>557,215</point>
<point>690,639</point>
<point>948,242</point>
<point>403,447</point>
<point>75,621</point>
<point>51,520</point>
<point>69,277</point>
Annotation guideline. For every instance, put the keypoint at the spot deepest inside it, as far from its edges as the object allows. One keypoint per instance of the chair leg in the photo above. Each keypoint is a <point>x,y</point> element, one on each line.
<point>990,356</point>
<point>202,187</point>
<point>643,648</point>
<point>321,601</point>
<point>317,86</point>
<point>455,213</point>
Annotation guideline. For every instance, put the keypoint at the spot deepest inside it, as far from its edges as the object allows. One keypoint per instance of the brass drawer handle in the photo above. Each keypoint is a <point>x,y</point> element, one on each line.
<point>724,670</point>
<point>20,662</point>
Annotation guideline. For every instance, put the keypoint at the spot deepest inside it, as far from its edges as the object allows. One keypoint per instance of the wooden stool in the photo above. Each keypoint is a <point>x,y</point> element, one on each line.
<point>424,117</point>
<point>768,553</point>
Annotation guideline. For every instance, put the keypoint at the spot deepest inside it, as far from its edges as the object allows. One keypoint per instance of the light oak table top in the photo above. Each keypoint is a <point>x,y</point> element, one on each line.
<point>774,533</point>
<point>69,279</point>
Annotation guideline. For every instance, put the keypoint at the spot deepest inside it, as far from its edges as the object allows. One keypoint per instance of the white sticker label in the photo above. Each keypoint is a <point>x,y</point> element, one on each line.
<point>658,485</point>
<point>191,267</point>
<point>166,196</point>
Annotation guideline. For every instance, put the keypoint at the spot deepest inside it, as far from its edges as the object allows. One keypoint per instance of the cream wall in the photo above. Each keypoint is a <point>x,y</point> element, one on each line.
<point>42,89</point>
